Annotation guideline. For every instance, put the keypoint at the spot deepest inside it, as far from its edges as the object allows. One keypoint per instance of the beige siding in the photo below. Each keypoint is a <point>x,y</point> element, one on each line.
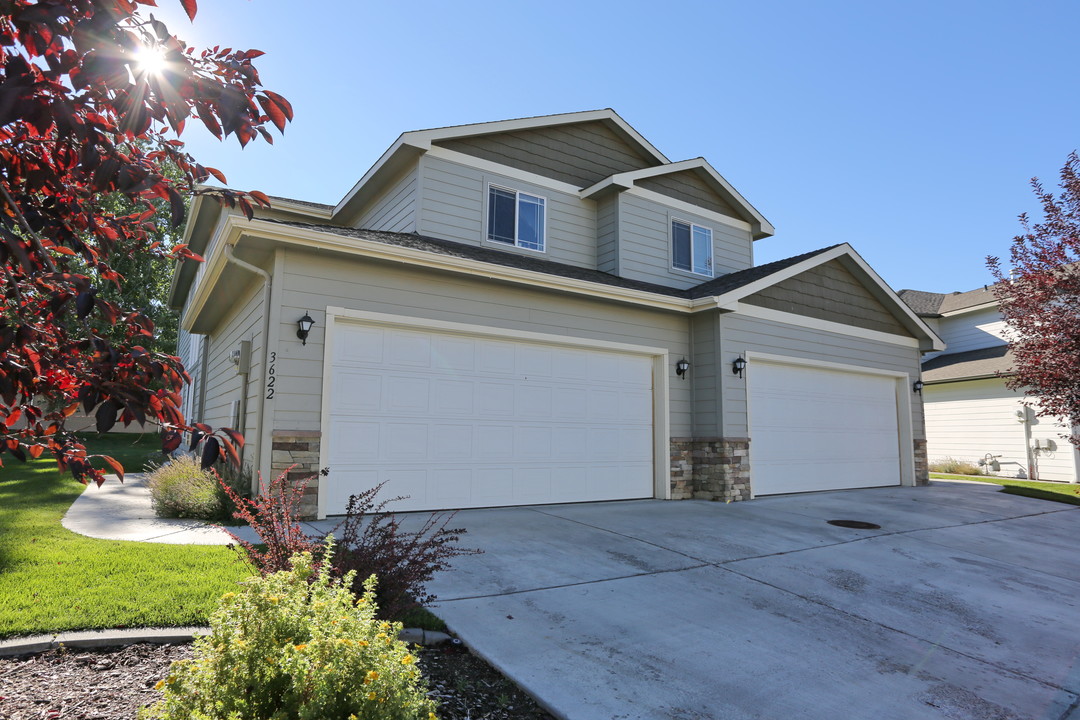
<point>645,244</point>
<point>829,292</point>
<point>968,420</point>
<point>395,209</point>
<point>311,283</point>
<point>740,334</point>
<point>223,384</point>
<point>454,207</point>
<point>689,186</point>
<point>579,153</point>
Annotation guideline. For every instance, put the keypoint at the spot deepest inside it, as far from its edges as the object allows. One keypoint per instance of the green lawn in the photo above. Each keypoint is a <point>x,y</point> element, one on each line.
<point>53,580</point>
<point>1058,492</point>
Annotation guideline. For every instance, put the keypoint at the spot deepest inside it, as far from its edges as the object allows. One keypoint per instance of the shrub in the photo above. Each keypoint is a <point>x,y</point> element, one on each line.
<point>374,543</point>
<point>275,517</point>
<point>953,466</point>
<point>296,644</point>
<point>182,489</point>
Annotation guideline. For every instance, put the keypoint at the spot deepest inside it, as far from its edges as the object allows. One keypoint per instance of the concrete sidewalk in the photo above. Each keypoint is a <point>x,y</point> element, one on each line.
<point>123,511</point>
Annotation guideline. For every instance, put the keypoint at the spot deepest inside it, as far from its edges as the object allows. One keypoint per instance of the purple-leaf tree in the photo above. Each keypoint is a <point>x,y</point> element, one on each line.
<point>1040,301</point>
<point>93,95</point>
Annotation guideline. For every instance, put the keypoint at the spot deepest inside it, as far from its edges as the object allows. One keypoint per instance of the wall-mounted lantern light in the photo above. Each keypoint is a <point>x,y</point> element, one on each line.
<point>681,368</point>
<point>917,386</point>
<point>738,366</point>
<point>303,327</point>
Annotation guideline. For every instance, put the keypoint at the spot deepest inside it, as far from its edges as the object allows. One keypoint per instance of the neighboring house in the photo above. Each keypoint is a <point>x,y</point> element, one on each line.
<point>545,310</point>
<point>970,414</point>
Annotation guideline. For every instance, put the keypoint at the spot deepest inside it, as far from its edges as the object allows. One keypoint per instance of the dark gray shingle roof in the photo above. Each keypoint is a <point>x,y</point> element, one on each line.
<point>984,362</point>
<point>936,304</point>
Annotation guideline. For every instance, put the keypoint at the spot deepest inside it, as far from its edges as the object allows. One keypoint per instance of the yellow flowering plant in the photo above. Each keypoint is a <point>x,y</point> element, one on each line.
<point>296,644</point>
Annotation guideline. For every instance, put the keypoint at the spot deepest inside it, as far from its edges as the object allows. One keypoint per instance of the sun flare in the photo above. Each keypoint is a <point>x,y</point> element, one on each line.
<point>150,60</point>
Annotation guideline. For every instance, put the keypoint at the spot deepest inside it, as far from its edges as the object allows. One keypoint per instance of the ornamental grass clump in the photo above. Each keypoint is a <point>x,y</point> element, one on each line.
<point>296,644</point>
<point>182,489</point>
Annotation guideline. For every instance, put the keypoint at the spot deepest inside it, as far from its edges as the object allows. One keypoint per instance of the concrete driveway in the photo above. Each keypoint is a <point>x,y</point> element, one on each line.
<point>965,604</point>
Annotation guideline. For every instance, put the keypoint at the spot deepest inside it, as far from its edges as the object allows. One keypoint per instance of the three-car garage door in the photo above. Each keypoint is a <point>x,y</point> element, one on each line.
<point>459,420</point>
<point>813,428</point>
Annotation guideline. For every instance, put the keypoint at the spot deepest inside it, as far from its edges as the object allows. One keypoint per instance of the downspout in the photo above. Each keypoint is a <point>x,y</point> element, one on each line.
<point>260,411</point>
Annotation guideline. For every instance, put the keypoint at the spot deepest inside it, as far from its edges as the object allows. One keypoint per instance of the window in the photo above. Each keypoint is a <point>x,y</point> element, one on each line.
<point>691,248</point>
<point>516,218</point>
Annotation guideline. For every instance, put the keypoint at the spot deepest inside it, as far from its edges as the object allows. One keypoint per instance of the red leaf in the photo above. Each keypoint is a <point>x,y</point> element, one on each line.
<point>116,466</point>
<point>231,451</point>
<point>13,417</point>
<point>190,7</point>
<point>170,440</point>
<point>234,436</point>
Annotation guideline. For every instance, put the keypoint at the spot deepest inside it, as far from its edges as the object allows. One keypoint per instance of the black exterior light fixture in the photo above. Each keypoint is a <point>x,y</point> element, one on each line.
<point>303,327</point>
<point>917,387</point>
<point>681,367</point>
<point>738,365</point>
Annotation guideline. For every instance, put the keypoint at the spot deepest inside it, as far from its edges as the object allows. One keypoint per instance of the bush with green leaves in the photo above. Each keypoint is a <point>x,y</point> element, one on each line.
<point>182,489</point>
<point>296,644</point>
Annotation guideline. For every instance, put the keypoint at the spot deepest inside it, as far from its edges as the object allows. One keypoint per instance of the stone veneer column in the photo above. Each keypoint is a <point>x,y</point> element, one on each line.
<point>922,466</point>
<point>710,469</point>
<point>299,450</point>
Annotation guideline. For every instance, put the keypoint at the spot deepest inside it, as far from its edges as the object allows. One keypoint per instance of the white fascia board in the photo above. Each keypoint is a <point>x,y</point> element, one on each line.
<point>824,325</point>
<point>505,170</point>
<point>427,137</point>
<point>689,208</point>
<point>974,308</point>
<point>729,301</point>
<point>301,209</point>
<point>236,229</point>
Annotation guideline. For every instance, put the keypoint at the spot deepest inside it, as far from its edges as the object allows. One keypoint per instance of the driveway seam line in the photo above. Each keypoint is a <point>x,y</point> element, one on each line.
<point>576,584</point>
<point>905,633</point>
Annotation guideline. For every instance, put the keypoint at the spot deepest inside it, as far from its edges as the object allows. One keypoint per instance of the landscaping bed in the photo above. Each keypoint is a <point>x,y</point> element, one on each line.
<point>113,683</point>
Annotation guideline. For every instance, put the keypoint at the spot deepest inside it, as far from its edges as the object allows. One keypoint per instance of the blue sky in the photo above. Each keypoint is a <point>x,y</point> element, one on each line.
<point>910,130</point>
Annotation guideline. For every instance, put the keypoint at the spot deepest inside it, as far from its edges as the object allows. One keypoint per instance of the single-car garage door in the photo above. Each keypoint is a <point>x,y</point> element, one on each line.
<point>456,420</point>
<point>820,429</point>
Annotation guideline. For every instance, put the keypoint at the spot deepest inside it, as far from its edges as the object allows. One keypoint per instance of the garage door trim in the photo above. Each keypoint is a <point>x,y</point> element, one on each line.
<point>902,383</point>
<point>658,356</point>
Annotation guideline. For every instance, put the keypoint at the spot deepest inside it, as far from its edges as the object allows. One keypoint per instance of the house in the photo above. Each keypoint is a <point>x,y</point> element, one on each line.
<point>970,415</point>
<point>545,310</point>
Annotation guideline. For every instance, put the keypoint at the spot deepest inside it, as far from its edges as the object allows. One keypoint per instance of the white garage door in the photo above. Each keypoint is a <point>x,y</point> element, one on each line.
<point>459,421</point>
<point>817,429</point>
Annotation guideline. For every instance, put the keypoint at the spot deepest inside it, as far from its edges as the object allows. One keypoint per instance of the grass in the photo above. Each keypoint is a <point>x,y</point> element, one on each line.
<point>1058,492</point>
<point>54,580</point>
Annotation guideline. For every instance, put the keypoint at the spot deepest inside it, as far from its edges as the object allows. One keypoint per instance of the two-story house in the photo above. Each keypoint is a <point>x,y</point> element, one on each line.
<point>970,415</point>
<point>545,310</point>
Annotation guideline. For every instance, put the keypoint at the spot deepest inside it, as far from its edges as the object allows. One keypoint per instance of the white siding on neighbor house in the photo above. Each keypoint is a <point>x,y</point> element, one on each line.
<point>312,283</point>
<point>395,209</point>
<point>224,385</point>
<point>645,244</point>
<point>453,206</point>
<point>741,334</point>
<point>189,350</point>
<point>970,331</point>
<point>969,420</point>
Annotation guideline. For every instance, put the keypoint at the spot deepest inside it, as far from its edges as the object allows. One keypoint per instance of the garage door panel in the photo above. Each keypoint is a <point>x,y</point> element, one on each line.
<point>455,397</point>
<point>532,401</point>
<point>451,353</point>
<point>358,441</point>
<point>360,392</point>
<point>821,429</point>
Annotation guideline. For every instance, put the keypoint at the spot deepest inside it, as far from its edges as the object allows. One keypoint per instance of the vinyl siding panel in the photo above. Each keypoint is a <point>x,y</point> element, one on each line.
<point>578,153</point>
<point>972,331</point>
<point>395,209</point>
<point>968,420</point>
<point>705,374</point>
<point>223,384</point>
<point>689,187</point>
<point>607,234</point>
<point>311,283</point>
<point>645,244</point>
<point>740,334</point>
<point>829,292</point>
<point>454,207</point>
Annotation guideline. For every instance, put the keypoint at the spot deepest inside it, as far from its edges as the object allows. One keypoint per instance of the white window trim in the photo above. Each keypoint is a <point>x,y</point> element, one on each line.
<point>517,199</point>
<point>671,247</point>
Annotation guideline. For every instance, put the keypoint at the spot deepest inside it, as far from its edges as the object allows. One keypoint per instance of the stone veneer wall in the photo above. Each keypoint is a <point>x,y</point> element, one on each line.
<point>922,466</point>
<point>710,469</point>
<point>299,448</point>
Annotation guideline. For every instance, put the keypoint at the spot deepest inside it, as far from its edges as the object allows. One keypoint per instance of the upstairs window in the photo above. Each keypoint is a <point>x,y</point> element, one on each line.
<point>691,248</point>
<point>516,218</point>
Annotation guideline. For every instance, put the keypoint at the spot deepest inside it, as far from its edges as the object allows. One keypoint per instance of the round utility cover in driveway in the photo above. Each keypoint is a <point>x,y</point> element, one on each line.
<point>813,428</point>
<point>454,420</point>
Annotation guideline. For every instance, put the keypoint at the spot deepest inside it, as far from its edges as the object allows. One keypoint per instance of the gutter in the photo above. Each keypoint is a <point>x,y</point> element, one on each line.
<point>260,412</point>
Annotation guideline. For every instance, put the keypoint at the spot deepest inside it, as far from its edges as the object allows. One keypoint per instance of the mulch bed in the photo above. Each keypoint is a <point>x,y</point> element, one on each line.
<point>113,683</point>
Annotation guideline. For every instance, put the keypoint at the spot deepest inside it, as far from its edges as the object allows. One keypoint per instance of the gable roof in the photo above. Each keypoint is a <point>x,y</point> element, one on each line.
<point>970,365</point>
<point>929,304</point>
